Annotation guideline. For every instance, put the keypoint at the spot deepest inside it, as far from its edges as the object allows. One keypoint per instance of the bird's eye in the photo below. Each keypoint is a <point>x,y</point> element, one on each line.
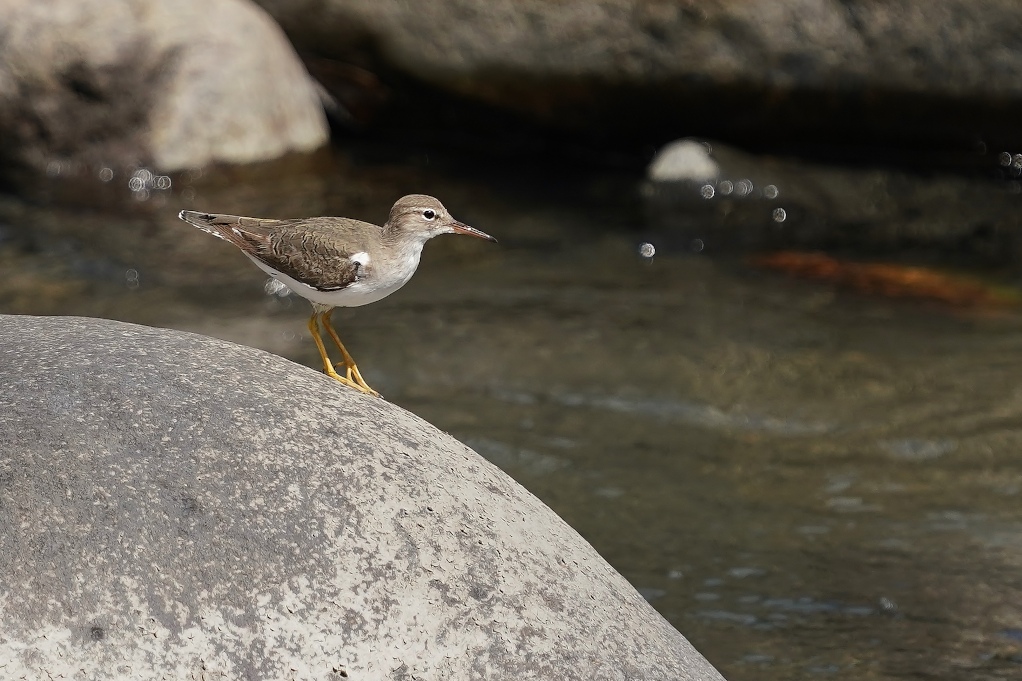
<point>429,213</point>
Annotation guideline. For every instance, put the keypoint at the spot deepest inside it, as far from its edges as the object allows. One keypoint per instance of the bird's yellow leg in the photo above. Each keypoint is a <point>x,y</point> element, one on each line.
<point>328,366</point>
<point>349,363</point>
<point>354,374</point>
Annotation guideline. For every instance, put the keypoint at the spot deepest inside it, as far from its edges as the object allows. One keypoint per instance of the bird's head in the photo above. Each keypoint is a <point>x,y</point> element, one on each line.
<point>425,217</point>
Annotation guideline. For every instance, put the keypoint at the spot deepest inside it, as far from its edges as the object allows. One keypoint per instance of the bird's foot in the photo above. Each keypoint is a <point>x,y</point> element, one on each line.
<point>353,379</point>
<point>352,384</point>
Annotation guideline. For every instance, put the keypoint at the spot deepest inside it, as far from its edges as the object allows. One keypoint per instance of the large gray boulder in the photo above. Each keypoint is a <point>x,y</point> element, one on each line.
<point>182,508</point>
<point>596,62</point>
<point>172,83</point>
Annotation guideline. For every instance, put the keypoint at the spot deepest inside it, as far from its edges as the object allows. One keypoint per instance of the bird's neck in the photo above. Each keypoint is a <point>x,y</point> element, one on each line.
<point>402,246</point>
<point>402,241</point>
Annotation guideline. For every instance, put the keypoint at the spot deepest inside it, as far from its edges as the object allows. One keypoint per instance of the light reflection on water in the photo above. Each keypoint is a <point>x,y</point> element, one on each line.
<point>804,482</point>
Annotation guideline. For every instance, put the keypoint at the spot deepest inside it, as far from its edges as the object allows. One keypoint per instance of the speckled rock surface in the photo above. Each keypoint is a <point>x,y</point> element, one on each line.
<point>177,507</point>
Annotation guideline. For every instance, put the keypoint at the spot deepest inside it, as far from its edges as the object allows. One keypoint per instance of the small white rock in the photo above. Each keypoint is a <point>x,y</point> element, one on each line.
<point>683,160</point>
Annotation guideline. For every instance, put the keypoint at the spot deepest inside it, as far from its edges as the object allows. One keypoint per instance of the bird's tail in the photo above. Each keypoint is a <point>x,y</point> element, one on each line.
<point>220,226</point>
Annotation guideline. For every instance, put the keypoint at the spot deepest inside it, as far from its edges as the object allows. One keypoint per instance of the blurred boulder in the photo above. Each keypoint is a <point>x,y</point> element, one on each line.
<point>755,202</point>
<point>171,83</point>
<point>684,160</point>
<point>731,67</point>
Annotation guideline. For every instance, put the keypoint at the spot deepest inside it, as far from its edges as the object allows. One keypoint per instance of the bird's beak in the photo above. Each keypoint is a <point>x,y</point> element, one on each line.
<point>462,228</point>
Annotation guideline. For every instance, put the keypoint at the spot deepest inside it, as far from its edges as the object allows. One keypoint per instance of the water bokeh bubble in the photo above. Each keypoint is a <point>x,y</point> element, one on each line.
<point>144,182</point>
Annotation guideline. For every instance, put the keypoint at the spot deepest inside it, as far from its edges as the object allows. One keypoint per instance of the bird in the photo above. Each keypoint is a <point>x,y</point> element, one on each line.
<point>338,262</point>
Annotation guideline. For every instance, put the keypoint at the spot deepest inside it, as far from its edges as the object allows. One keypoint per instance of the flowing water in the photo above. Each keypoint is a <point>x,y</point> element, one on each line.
<point>806,482</point>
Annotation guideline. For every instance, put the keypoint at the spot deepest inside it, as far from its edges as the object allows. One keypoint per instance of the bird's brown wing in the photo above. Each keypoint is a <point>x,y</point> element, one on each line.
<point>297,248</point>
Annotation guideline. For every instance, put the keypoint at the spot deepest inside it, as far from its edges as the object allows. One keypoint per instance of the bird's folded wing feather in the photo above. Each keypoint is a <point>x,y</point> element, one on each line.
<point>292,247</point>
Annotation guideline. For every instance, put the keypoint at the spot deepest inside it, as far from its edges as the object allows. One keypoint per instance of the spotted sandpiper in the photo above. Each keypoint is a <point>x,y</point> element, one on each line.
<point>338,262</point>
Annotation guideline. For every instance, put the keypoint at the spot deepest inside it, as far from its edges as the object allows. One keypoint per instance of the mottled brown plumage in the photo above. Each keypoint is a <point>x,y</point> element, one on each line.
<point>338,261</point>
<point>314,251</point>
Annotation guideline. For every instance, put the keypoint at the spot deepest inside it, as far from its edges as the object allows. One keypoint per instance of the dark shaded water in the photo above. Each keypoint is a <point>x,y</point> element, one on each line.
<point>807,483</point>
